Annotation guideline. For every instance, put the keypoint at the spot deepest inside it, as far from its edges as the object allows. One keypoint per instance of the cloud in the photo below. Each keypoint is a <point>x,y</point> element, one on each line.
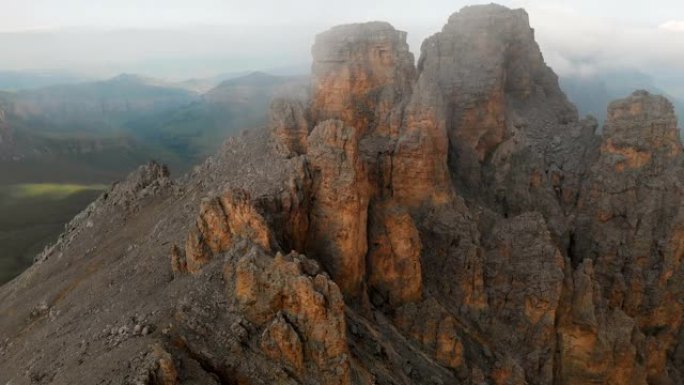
<point>673,25</point>
<point>581,37</point>
<point>578,44</point>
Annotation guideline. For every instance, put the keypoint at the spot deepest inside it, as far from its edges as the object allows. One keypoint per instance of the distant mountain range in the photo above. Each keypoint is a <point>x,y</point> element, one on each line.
<point>593,93</point>
<point>454,222</point>
<point>26,80</point>
<point>98,131</point>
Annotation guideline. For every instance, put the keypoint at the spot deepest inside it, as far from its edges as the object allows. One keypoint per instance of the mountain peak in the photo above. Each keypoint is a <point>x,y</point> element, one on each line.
<point>451,223</point>
<point>127,78</point>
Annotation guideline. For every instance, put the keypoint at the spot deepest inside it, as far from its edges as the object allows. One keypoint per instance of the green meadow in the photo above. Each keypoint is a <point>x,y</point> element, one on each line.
<point>33,215</point>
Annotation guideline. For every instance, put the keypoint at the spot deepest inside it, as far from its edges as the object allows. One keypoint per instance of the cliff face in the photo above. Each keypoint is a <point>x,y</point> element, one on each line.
<point>450,223</point>
<point>629,237</point>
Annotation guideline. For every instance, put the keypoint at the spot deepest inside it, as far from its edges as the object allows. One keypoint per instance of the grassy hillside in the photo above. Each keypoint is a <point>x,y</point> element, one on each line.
<point>32,216</point>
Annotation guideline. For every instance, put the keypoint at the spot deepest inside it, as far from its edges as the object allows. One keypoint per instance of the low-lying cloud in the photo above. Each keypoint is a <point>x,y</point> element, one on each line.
<point>580,38</point>
<point>673,25</point>
<point>576,44</point>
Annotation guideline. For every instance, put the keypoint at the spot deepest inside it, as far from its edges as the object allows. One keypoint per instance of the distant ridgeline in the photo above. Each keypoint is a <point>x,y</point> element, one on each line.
<point>61,145</point>
<point>454,222</point>
<point>593,93</point>
<point>99,131</point>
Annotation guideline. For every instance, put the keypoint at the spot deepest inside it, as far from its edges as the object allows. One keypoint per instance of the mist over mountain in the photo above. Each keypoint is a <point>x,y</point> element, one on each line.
<point>78,137</point>
<point>135,117</point>
<point>592,93</point>
<point>24,80</point>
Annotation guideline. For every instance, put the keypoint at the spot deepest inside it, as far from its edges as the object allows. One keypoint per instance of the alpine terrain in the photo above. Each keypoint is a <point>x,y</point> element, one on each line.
<point>450,222</point>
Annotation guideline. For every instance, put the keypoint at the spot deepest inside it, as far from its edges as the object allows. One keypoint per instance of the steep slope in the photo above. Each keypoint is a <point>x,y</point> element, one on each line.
<point>446,224</point>
<point>56,136</point>
<point>630,240</point>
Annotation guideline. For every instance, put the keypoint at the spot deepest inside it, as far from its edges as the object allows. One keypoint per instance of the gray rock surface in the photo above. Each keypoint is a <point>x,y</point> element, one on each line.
<point>454,223</point>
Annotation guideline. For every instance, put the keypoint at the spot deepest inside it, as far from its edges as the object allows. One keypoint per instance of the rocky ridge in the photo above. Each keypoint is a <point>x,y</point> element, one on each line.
<point>454,222</point>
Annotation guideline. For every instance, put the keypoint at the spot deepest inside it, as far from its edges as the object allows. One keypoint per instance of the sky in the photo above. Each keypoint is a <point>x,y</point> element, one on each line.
<point>194,38</point>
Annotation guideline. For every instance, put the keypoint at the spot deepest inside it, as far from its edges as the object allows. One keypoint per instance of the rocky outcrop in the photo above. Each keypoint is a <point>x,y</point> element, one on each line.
<point>512,132</point>
<point>460,225</point>
<point>630,226</point>
<point>394,267</point>
<point>235,215</point>
<point>363,75</point>
<point>289,126</point>
<point>596,343</point>
<point>436,330</point>
<point>641,135</point>
<point>223,220</point>
<point>300,310</point>
<point>338,230</point>
<point>523,282</point>
<point>419,161</point>
<point>147,181</point>
<point>484,59</point>
<point>360,74</point>
<point>371,152</point>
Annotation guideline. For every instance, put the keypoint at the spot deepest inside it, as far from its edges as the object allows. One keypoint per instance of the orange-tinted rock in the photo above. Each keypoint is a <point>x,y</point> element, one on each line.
<point>511,131</point>
<point>523,282</point>
<point>484,57</point>
<point>419,161</point>
<point>508,372</point>
<point>178,263</point>
<point>448,347</point>
<point>289,126</point>
<point>360,74</point>
<point>363,74</point>
<point>267,289</point>
<point>287,211</point>
<point>641,131</point>
<point>281,343</point>
<point>596,344</point>
<point>167,373</point>
<point>221,221</point>
<point>394,255</point>
<point>630,221</point>
<point>338,216</point>
<point>434,328</point>
<point>451,201</point>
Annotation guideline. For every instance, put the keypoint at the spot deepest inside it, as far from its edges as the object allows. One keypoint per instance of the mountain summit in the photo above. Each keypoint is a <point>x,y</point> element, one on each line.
<point>450,223</point>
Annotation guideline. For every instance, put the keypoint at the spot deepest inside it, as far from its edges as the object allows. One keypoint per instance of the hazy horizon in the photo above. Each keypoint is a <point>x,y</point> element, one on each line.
<point>180,39</point>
